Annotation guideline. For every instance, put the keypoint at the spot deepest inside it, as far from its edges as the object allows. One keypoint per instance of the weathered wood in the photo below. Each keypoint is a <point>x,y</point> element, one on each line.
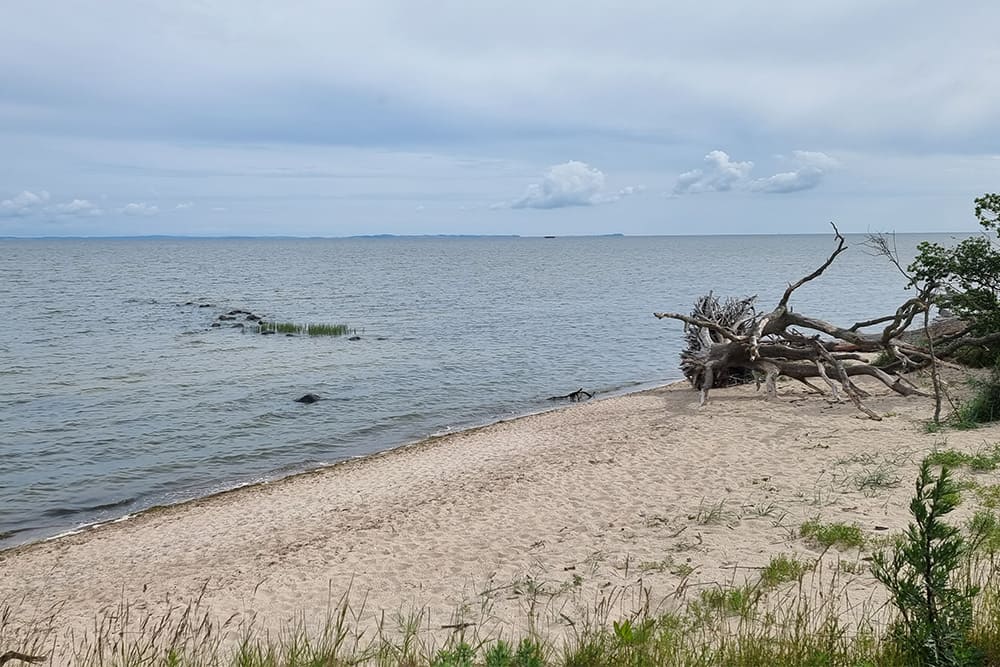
<point>24,657</point>
<point>729,342</point>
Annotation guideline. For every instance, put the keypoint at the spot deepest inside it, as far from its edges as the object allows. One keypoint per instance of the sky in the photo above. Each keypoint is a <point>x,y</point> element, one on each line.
<point>530,117</point>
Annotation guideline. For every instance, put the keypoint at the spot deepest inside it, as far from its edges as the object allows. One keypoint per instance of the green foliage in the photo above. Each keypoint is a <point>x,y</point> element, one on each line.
<point>837,534</point>
<point>982,461</point>
<point>984,532</point>
<point>460,655</point>
<point>984,406</point>
<point>968,273</point>
<point>781,569</point>
<point>919,572</point>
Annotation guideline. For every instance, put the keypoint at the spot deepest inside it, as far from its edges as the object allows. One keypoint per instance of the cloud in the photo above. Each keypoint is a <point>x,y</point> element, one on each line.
<point>812,168</point>
<point>75,207</point>
<point>805,178</point>
<point>816,159</point>
<point>572,183</point>
<point>184,205</point>
<point>25,203</point>
<point>139,209</point>
<point>721,174</point>
<point>38,204</point>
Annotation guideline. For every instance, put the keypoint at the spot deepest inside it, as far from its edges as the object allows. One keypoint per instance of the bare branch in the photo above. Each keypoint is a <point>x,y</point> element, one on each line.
<point>841,247</point>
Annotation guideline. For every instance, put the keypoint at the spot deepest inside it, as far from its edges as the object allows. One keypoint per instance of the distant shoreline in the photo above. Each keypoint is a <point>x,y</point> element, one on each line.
<point>153,237</point>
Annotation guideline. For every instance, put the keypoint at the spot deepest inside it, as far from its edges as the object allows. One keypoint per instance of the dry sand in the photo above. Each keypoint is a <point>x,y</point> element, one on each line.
<point>635,499</point>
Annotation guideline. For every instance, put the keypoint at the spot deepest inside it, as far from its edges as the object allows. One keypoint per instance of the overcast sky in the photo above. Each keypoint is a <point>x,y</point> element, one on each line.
<point>223,117</point>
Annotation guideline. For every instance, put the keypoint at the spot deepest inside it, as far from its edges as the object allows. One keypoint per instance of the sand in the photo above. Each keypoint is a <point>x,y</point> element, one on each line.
<point>637,500</point>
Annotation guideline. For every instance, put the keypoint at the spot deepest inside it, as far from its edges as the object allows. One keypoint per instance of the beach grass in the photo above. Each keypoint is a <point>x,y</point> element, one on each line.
<point>982,461</point>
<point>741,625</point>
<point>834,534</point>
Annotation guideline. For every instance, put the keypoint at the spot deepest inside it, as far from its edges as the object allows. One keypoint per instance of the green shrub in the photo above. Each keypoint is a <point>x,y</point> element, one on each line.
<point>935,613</point>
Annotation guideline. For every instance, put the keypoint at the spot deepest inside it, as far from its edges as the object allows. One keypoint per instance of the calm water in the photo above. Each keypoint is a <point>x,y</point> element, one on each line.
<point>115,396</point>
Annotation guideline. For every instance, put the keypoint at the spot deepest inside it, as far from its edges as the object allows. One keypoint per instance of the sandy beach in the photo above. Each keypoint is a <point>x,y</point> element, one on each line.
<point>635,499</point>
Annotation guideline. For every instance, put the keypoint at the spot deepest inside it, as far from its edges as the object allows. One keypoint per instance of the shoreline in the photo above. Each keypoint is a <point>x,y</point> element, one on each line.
<point>634,388</point>
<point>644,498</point>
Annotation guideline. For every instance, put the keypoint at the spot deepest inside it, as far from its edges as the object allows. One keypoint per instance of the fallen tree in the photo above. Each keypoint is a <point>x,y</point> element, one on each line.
<point>730,341</point>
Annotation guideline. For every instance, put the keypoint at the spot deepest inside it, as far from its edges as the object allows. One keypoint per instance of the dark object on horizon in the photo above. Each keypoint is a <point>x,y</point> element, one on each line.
<point>549,237</point>
<point>574,396</point>
<point>307,399</point>
<point>14,655</point>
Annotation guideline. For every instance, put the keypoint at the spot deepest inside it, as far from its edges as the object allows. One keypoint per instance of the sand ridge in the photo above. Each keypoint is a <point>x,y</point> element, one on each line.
<point>646,493</point>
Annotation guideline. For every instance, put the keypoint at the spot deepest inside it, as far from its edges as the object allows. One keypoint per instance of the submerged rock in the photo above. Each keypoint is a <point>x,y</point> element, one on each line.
<point>308,398</point>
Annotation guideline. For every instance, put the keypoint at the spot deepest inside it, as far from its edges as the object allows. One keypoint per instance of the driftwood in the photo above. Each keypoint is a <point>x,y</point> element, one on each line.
<point>574,396</point>
<point>731,342</point>
<point>14,655</point>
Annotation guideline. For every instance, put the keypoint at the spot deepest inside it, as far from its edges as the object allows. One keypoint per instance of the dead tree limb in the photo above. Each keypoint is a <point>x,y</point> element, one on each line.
<point>24,657</point>
<point>730,342</point>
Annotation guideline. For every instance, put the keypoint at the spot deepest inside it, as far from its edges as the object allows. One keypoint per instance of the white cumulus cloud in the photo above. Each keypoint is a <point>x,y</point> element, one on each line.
<point>805,178</point>
<point>572,183</point>
<point>816,159</point>
<point>25,203</point>
<point>811,168</point>
<point>75,207</point>
<point>139,208</point>
<point>720,174</point>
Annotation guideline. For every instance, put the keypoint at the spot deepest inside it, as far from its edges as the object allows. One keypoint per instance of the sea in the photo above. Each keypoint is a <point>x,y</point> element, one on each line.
<point>117,393</point>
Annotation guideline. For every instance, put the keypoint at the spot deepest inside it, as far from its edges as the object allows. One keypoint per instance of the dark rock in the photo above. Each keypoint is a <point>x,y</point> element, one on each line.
<point>189,303</point>
<point>354,338</point>
<point>206,305</point>
<point>253,318</point>
<point>238,325</point>
<point>226,318</point>
<point>216,325</point>
<point>267,333</point>
<point>308,398</point>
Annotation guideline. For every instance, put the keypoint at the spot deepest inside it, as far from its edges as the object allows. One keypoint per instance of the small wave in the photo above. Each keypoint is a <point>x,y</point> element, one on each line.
<point>58,512</point>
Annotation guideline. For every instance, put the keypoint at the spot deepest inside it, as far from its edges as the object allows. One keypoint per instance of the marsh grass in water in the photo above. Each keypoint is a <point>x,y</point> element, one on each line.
<point>307,329</point>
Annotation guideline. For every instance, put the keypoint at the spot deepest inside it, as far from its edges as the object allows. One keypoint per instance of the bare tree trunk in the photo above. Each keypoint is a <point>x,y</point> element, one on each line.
<point>728,341</point>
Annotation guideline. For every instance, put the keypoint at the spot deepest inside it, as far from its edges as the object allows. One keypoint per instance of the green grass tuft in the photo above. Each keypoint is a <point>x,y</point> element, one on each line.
<point>782,569</point>
<point>982,461</point>
<point>838,534</point>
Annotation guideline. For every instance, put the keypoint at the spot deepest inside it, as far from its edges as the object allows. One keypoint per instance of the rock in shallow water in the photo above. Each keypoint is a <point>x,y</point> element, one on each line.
<point>308,398</point>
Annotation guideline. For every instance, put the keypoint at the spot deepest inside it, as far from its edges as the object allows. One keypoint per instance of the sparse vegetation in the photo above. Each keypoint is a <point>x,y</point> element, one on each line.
<point>782,569</point>
<point>982,461</point>
<point>836,534</point>
<point>307,329</point>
